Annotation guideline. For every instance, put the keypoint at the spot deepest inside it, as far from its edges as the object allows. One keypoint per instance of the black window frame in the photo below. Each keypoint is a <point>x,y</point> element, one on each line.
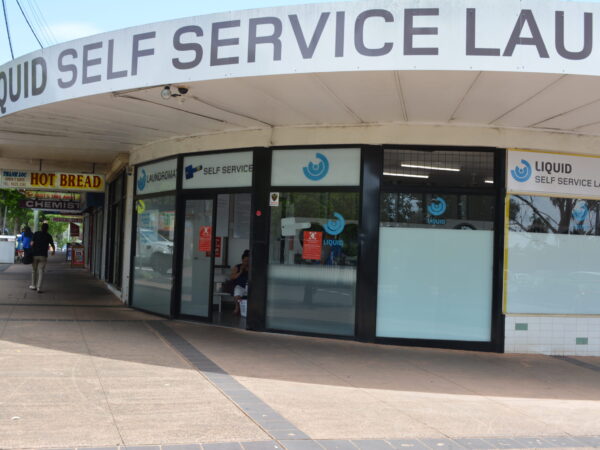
<point>370,189</point>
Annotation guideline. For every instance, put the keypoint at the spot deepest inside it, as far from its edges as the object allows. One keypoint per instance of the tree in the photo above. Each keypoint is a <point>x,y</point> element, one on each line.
<point>16,215</point>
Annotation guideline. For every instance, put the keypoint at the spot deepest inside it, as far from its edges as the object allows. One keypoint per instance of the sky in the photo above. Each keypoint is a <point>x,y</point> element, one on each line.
<point>72,19</point>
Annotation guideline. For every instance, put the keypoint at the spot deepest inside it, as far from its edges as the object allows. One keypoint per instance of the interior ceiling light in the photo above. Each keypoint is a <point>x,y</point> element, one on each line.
<point>415,166</point>
<point>408,175</point>
<point>489,181</point>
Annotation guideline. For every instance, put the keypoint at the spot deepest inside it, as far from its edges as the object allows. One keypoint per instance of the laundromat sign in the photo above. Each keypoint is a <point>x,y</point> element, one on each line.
<point>82,182</point>
<point>551,173</point>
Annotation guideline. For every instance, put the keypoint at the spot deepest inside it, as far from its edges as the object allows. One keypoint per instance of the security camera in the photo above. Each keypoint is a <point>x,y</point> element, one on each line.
<point>166,93</point>
<point>182,90</point>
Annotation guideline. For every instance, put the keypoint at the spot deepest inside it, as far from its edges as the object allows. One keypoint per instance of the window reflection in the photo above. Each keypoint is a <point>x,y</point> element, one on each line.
<point>312,262</point>
<point>554,215</point>
<point>154,254</point>
<point>450,211</point>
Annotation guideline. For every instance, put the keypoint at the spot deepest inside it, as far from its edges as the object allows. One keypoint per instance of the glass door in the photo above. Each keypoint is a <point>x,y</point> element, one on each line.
<point>196,269</point>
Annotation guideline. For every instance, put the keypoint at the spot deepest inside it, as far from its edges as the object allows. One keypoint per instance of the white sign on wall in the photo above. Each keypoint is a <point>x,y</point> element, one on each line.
<point>316,167</point>
<point>550,173</point>
<point>536,36</point>
<point>218,170</point>
<point>156,177</point>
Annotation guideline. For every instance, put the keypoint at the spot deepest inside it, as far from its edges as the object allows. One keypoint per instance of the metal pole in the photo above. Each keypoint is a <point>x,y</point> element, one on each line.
<point>36,218</point>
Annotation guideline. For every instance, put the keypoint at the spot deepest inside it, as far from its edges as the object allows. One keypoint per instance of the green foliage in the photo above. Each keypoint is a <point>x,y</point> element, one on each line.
<point>16,216</point>
<point>56,229</point>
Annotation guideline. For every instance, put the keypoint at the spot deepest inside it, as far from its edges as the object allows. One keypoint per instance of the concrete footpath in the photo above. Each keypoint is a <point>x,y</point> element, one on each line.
<point>80,370</point>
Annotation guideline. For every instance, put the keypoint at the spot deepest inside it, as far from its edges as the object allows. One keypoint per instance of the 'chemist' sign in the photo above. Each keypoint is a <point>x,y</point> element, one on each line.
<point>549,173</point>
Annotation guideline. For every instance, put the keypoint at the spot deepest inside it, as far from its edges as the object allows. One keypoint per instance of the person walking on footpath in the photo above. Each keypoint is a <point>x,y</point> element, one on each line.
<point>39,244</point>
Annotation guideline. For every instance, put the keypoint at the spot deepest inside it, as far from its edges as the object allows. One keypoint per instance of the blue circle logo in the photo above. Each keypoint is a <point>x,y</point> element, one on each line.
<point>522,174</point>
<point>141,182</point>
<point>437,206</point>
<point>335,227</point>
<point>316,172</point>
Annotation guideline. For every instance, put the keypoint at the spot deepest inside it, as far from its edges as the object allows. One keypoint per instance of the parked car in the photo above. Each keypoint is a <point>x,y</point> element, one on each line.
<point>155,250</point>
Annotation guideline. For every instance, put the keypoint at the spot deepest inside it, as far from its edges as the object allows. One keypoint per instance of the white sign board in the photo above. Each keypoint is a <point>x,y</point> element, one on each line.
<point>316,167</point>
<point>218,170</point>
<point>156,177</point>
<point>549,173</point>
<point>535,36</point>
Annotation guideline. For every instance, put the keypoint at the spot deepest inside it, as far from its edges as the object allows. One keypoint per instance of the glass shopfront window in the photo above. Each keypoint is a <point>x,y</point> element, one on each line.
<point>153,258</point>
<point>313,255</point>
<point>436,248</point>
<point>553,247</point>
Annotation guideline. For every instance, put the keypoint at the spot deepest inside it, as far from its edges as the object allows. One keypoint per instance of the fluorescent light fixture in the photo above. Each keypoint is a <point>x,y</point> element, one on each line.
<point>408,175</point>
<point>489,181</point>
<point>415,166</point>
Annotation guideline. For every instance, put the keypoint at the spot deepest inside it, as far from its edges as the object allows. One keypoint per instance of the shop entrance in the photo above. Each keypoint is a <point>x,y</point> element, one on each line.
<point>216,235</point>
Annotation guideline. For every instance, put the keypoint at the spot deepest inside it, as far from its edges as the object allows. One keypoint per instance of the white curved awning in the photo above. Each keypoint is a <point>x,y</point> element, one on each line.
<point>510,65</point>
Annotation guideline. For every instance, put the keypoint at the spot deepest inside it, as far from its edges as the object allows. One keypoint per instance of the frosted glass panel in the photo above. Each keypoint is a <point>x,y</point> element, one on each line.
<point>553,274</point>
<point>435,283</point>
<point>553,256</point>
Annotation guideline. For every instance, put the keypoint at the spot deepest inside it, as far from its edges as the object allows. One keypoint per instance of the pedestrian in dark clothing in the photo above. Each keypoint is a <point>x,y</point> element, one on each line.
<point>39,245</point>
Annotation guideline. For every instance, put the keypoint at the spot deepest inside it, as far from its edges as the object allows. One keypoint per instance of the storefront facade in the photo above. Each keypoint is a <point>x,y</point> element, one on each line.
<point>376,164</point>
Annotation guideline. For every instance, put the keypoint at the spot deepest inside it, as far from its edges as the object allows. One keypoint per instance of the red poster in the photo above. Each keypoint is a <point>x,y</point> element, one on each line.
<point>205,239</point>
<point>78,256</point>
<point>313,244</point>
<point>218,247</point>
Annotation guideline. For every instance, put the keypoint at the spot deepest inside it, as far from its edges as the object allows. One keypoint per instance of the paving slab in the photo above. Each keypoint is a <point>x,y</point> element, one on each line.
<point>80,370</point>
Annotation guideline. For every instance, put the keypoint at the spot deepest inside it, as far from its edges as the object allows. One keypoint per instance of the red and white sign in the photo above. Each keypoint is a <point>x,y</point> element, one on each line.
<point>313,244</point>
<point>78,256</point>
<point>204,243</point>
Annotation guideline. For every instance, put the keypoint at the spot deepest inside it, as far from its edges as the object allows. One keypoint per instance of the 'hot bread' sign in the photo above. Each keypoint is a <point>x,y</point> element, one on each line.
<point>20,179</point>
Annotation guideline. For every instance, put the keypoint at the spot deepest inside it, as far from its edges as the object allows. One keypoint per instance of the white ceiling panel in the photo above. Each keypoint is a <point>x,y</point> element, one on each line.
<point>153,115</point>
<point>307,95</point>
<point>434,96</point>
<point>496,93</point>
<point>568,93</point>
<point>239,97</point>
<point>194,105</point>
<point>574,119</point>
<point>372,96</point>
<point>98,127</point>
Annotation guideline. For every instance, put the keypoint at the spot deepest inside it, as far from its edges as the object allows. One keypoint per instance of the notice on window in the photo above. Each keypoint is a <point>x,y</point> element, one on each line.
<point>218,241</point>
<point>313,244</point>
<point>205,241</point>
